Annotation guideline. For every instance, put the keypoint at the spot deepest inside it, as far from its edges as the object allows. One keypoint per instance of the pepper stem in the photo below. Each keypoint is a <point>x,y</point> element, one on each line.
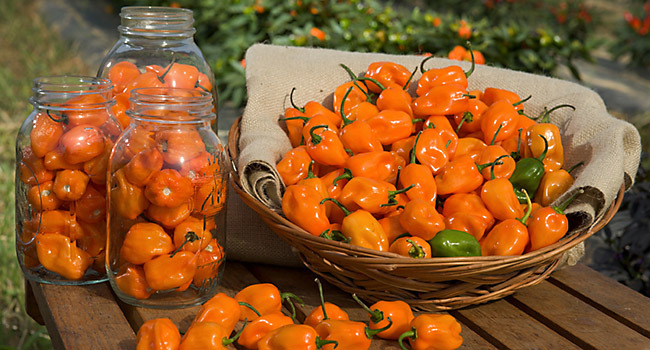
<point>529,207</point>
<point>190,236</point>
<point>346,120</point>
<point>574,167</point>
<point>322,299</point>
<point>380,85</point>
<point>560,208</point>
<point>345,210</point>
<point>57,120</point>
<point>243,303</point>
<point>392,194</point>
<point>301,109</point>
<point>522,101</point>
<point>286,296</point>
<point>227,341</point>
<point>416,250</point>
<point>412,159</point>
<point>495,134</point>
<point>468,116</point>
<point>310,171</point>
<point>347,174</point>
<point>413,334</point>
<point>162,77</point>
<point>372,332</point>
<point>423,62</point>
<point>546,115</point>
<point>406,85</point>
<point>320,343</point>
<point>543,155</point>
<point>350,72</point>
<point>471,53</point>
<point>375,315</point>
<point>480,167</point>
<point>304,119</point>
<point>316,139</point>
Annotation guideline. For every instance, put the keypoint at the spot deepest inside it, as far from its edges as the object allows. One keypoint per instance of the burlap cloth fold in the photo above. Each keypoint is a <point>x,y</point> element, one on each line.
<point>609,147</point>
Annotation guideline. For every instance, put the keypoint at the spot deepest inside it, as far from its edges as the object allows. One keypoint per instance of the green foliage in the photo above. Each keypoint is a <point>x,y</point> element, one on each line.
<point>633,36</point>
<point>226,29</point>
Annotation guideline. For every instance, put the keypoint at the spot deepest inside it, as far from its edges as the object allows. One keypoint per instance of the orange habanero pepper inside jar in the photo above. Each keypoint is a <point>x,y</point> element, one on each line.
<point>167,201</point>
<point>62,155</point>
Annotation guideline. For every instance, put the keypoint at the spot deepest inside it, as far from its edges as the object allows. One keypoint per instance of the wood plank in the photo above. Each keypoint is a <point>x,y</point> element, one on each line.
<point>31,306</point>
<point>301,282</point>
<point>507,327</point>
<point>83,317</point>
<point>605,294</point>
<point>575,319</point>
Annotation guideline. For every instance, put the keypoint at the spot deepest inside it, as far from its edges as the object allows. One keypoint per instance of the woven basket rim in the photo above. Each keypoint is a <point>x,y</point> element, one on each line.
<point>295,232</point>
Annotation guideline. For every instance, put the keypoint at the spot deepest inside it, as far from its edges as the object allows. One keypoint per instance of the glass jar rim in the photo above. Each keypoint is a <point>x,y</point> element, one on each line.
<point>51,92</point>
<point>195,104</point>
<point>156,21</point>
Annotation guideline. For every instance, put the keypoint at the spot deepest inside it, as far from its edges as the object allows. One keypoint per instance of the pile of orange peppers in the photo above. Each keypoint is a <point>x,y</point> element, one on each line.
<point>328,326</point>
<point>162,200</point>
<point>65,169</point>
<point>385,170</point>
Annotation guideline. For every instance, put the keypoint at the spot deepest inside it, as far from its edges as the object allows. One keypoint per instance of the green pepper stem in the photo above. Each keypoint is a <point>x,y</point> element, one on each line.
<point>346,120</point>
<point>480,167</point>
<point>345,210</point>
<point>494,138</point>
<point>320,343</point>
<point>392,194</point>
<point>399,172</point>
<point>304,119</point>
<point>301,109</point>
<point>546,115</point>
<point>372,332</point>
<point>380,85</point>
<point>468,116</point>
<point>413,334</point>
<point>469,96</point>
<point>227,341</point>
<point>409,79</point>
<point>562,207</point>
<point>322,299</point>
<point>162,77</point>
<point>289,297</point>
<point>310,171</point>
<point>415,143</point>
<point>416,250</point>
<point>350,72</point>
<point>423,62</point>
<point>347,174</point>
<point>471,53</point>
<point>63,118</point>
<point>243,303</point>
<point>574,167</point>
<point>543,155</point>
<point>375,315</point>
<point>190,236</point>
<point>522,101</point>
<point>529,209</point>
<point>316,139</point>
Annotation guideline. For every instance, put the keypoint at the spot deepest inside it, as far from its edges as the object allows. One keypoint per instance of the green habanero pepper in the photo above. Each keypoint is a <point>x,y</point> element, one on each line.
<point>528,174</point>
<point>451,243</point>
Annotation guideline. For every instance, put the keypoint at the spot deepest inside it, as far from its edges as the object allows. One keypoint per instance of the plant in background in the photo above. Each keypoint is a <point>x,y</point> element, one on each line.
<point>623,246</point>
<point>226,29</point>
<point>633,36</point>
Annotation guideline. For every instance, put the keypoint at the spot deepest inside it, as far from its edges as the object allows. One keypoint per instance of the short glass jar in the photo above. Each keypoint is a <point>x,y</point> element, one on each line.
<point>62,152</point>
<point>156,48</point>
<point>167,201</point>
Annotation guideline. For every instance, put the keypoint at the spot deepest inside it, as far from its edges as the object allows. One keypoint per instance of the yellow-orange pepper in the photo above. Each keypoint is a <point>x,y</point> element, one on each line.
<point>158,334</point>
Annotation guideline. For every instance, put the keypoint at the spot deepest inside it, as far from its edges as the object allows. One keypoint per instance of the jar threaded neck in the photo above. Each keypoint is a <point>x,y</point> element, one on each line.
<point>156,22</point>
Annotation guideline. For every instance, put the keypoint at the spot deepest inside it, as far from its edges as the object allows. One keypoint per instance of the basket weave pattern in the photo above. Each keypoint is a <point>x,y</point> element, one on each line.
<point>434,284</point>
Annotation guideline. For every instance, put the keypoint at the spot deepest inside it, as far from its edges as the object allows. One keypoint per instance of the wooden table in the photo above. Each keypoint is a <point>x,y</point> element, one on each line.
<point>575,308</point>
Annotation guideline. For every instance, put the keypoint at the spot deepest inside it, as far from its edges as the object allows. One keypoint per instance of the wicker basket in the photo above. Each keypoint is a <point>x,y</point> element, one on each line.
<point>433,284</point>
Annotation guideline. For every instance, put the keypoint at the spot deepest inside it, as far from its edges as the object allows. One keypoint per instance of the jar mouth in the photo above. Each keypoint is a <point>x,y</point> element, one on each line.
<point>171,105</point>
<point>65,92</point>
<point>156,21</point>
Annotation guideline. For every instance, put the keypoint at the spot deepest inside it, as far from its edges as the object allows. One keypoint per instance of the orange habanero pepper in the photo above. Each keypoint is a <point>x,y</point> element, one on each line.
<point>141,168</point>
<point>350,335</point>
<point>57,254</point>
<point>326,310</point>
<point>374,196</point>
<point>70,185</point>
<point>554,159</point>
<point>420,176</point>
<point>131,281</point>
<point>412,247</point>
<point>207,264</point>
<point>420,218</point>
<point>221,309</point>
<point>168,188</point>
<point>441,76</point>
<point>144,241</point>
<point>500,199</point>
<point>362,229</point>
<point>325,147</point>
<point>548,224</point>
<point>442,100</point>
<point>208,336</point>
<point>508,237</point>
<point>260,327</point>
<point>129,200</point>
<point>433,332</point>
<point>491,95</point>
<point>380,165</point>
<point>294,165</point>
<point>42,198</point>
<point>379,313</point>
<point>394,97</point>
<point>173,270</point>
<point>460,175</point>
<point>293,337</point>
<point>431,150</point>
<point>391,125</point>
<point>45,134</point>
<point>554,184</point>
<point>158,334</point>
<point>179,146</point>
<point>441,124</point>
<point>82,143</point>
<point>387,73</point>
<point>265,298</point>
<point>301,205</point>
<point>499,122</point>
<point>169,217</point>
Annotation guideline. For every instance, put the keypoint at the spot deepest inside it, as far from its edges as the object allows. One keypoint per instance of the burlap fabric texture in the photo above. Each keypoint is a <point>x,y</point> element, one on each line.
<point>609,147</point>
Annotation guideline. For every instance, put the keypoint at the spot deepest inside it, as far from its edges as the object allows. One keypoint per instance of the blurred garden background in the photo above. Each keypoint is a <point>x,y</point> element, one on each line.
<point>602,44</point>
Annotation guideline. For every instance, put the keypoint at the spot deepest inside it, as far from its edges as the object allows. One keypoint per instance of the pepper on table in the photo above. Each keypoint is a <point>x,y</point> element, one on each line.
<point>222,309</point>
<point>326,310</point>
<point>158,334</point>
<point>349,335</point>
<point>260,327</point>
<point>433,332</point>
<point>265,298</point>
<point>397,311</point>
<point>208,336</point>
<point>293,337</point>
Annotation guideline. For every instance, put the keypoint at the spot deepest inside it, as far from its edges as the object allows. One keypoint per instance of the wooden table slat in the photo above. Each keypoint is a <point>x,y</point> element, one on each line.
<point>608,296</point>
<point>576,319</point>
<point>511,328</point>
<point>83,317</point>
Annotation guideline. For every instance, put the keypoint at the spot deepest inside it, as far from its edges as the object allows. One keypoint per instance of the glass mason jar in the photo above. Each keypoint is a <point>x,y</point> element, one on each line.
<point>62,152</point>
<point>167,201</point>
<point>156,48</point>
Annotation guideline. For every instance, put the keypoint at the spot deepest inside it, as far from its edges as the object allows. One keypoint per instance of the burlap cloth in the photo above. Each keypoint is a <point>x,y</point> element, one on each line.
<point>609,147</point>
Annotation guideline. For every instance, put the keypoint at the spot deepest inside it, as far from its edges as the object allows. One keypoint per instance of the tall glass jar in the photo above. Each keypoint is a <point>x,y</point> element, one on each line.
<point>62,152</point>
<point>156,48</point>
<point>167,201</point>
